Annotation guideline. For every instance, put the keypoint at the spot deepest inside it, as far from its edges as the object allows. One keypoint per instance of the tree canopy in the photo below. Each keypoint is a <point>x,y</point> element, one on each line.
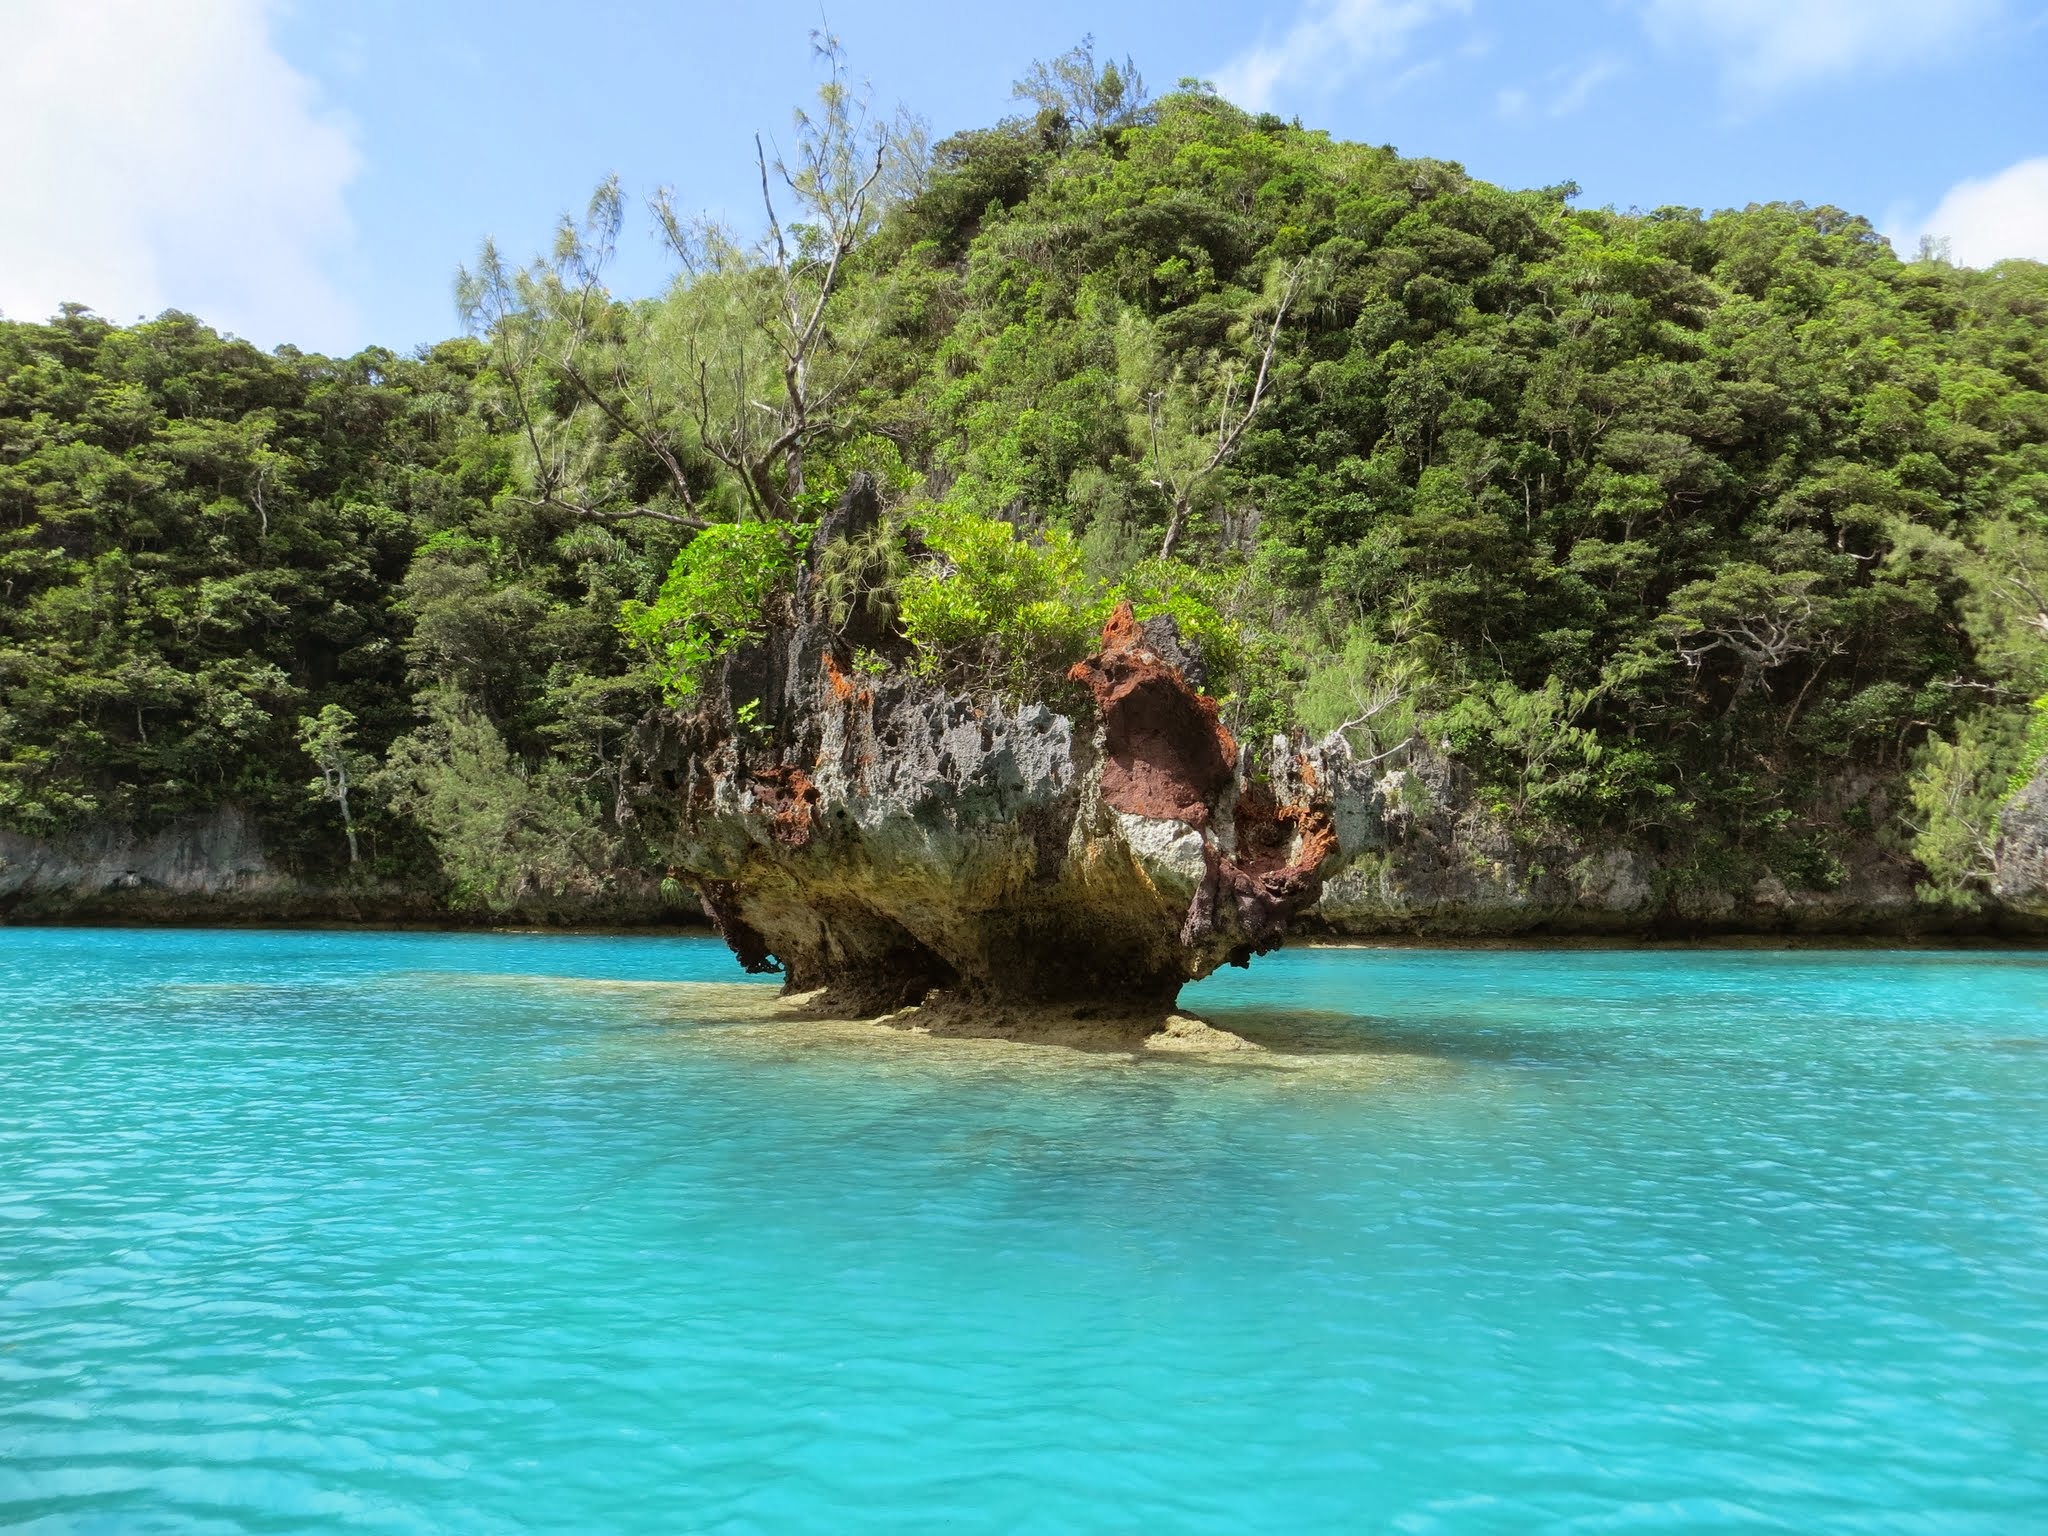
<point>1727,532</point>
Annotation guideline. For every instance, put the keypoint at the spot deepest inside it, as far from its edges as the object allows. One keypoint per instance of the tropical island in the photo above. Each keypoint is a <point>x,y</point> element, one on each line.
<point>1053,563</point>
<point>1138,819</point>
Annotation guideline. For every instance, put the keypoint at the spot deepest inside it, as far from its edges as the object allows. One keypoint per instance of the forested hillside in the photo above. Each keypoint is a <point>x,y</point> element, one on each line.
<point>1727,534</point>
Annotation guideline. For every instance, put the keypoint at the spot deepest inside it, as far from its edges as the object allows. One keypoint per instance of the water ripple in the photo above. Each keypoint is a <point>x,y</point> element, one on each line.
<point>411,1233</point>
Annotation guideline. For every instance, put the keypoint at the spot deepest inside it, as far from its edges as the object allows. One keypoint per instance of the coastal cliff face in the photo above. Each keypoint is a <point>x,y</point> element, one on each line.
<point>218,868</point>
<point>216,858</point>
<point>885,839</point>
<point>972,810</point>
<point>1424,857</point>
<point>2020,857</point>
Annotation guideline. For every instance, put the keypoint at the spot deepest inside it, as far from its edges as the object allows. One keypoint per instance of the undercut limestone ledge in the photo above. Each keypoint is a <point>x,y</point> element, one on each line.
<point>882,839</point>
<point>1423,858</point>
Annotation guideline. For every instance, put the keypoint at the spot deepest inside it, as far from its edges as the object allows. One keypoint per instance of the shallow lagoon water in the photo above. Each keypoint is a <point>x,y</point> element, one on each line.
<point>424,1233</point>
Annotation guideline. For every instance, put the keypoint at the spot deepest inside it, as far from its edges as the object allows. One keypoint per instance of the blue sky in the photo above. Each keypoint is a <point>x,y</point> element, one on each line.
<point>311,171</point>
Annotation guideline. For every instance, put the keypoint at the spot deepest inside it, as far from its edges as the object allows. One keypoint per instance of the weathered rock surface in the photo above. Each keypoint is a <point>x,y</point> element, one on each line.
<point>884,839</point>
<point>216,867</point>
<point>1422,856</point>
<point>215,857</point>
<point>2021,880</point>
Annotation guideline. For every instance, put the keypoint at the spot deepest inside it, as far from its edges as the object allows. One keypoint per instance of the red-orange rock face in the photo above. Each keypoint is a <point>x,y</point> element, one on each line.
<point>1166,755</point>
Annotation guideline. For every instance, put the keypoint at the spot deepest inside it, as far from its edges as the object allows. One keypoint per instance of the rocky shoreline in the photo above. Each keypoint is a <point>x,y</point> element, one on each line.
<point>217,870</point>
<point>886,838</point>
<point>1444,876</point>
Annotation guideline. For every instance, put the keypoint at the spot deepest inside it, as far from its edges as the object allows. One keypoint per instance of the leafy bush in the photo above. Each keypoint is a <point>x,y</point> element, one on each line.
<point>993,608</point>
<point>1371,692</point>
<point>716,595</point>
<point>505,833</point>
<point>1225,611</point>
<point>1529,742</point>
<point>997,608</point>
<point>1957,790</point>
<point>2033,749</point>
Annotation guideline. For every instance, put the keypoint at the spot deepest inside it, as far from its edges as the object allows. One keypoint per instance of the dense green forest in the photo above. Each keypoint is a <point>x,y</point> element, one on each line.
<point>1725,533</point>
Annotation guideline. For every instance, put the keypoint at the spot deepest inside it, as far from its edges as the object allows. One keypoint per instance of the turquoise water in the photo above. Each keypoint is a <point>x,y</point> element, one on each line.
<point>401,1233</point>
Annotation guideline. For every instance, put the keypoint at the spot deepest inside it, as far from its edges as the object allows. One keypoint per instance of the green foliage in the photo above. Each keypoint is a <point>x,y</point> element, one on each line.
<point>1741,474</point>
<point>1081,95</point>
<point>2033,749</point>
<point>716,594</point>
<point>199,544</point>
<point>993,608</point>
<point>506,833</point>
<point>329,739</point>
<point>859,578</point>
<point>1225,612</point>
<point>221,565</point>
<point>1374,694</point>
<point>1530,741</point>
<point>1956,790</point>
<point>1672,524</point>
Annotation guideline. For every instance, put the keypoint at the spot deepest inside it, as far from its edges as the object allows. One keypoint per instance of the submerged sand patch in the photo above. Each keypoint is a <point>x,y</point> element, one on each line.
<point>1300,1049</point>
<point>1091,1029</point>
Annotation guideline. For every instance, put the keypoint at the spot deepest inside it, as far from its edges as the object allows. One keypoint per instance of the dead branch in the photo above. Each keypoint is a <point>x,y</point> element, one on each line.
<point>1229,431</point>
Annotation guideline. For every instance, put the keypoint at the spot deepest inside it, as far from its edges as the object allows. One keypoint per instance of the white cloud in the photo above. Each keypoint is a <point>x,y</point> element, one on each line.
<point>1576,88</point>
<point>1564,91</point>
<point>1330,42</point>
<point>1767,45</point>
<point>162,154</point>
<point>1989,220</point>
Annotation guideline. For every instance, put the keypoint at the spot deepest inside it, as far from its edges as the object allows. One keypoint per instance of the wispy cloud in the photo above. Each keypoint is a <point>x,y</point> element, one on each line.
<point>165,155</point>
<point>1564,91</point>
<point>1769,45</point>
<point>1989,219</point>
<point>1328,45</point>
<point>1580,84</point>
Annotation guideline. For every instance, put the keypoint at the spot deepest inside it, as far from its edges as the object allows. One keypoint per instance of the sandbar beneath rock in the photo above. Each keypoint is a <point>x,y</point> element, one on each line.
<point>1302,1049</point>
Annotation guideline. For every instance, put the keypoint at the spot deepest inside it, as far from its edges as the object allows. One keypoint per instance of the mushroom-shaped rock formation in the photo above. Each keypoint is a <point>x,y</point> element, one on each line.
<point>882,838</point>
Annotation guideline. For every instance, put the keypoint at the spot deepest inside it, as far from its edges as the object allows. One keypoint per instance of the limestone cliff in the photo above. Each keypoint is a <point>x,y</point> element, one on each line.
<point>217,867</point>
<point>883,838</point>
<point>218,857</point>
<point>1423,856</point>
<point>2020,881</point>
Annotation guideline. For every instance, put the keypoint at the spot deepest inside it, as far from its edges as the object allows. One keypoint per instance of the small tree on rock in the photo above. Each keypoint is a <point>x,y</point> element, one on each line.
<point>329,739</point>
<point>1088,97</point>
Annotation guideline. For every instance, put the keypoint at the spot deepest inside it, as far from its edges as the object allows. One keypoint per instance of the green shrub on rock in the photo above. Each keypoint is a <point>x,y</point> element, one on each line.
<point>993,607</point>
<point>716,595</point>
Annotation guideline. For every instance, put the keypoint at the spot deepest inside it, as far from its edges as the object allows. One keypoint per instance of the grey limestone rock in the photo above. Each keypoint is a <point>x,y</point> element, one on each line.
<point>218,854</point>
<point>2021,878</point>
<point>884,837</point>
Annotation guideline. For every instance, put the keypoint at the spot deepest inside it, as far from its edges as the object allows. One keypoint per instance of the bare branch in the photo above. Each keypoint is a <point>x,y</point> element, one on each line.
<point>768,202</point>
<point>1228,433</point>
